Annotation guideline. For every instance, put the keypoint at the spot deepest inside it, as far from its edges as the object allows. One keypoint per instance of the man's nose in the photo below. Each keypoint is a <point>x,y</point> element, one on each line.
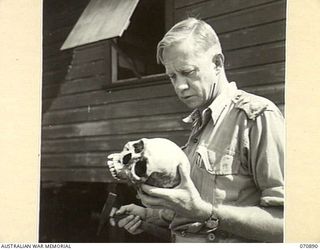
<point>181,83</point>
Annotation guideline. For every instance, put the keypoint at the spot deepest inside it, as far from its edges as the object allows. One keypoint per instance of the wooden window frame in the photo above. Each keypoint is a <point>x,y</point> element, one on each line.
<point>113,57</point>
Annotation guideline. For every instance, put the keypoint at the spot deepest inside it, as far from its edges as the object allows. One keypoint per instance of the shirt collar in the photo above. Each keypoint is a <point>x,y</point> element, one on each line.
<point>194,116</point>
<point>216,107</point>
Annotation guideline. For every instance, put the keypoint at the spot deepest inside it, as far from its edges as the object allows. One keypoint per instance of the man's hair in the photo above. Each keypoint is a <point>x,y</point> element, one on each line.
<point>203,35</point>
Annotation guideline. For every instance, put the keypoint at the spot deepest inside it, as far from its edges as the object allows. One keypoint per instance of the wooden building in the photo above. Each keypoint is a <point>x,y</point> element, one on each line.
<point>93,101</point>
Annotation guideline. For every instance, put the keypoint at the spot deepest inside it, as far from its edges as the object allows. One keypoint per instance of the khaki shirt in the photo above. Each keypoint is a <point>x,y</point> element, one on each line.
<point>236,152</point>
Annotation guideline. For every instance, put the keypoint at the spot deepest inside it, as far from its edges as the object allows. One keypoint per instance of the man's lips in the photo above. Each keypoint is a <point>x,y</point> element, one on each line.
<point>187,97</point>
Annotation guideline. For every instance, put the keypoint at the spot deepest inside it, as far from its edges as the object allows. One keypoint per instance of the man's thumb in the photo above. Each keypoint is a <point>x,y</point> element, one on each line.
<point>184,172</point>
<point>122,210</point>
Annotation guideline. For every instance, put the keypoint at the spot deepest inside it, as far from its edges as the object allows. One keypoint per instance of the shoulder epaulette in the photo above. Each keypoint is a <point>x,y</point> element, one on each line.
<point>251,104</point>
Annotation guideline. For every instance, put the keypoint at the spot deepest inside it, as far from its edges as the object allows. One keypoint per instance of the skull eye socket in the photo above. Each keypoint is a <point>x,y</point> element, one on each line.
<point>138,147</point>
<point>126,158</point>
<point>140,168</point>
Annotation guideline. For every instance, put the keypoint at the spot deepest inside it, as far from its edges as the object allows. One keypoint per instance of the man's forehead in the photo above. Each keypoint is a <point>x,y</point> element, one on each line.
<point>179,64</point>
<point>181,53</point>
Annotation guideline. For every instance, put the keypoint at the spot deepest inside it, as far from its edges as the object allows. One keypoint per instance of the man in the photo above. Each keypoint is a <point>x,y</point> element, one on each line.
<point>234,192</point>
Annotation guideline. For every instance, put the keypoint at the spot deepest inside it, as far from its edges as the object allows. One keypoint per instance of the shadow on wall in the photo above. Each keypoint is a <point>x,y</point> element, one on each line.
<point>69,213</point>
<point>53,79</point>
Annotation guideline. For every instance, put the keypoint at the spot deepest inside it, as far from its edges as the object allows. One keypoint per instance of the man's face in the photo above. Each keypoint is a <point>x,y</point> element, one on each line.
<point>193,74</point>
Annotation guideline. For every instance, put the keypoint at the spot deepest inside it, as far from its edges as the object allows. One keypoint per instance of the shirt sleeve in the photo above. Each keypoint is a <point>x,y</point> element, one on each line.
<point>267,156</point>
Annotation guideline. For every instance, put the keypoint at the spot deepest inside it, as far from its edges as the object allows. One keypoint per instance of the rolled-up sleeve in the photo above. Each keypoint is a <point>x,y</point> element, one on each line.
<point>267,156</point>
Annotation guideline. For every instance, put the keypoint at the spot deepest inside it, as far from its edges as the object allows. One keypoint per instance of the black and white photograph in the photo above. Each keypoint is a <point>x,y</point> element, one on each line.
<point>163,121</point>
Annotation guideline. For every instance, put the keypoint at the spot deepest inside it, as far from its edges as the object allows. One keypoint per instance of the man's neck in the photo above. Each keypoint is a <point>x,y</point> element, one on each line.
<point>219,88</point>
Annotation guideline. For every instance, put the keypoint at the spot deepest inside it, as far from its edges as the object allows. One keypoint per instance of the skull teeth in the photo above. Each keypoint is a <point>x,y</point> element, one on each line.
<point>114,174</point>
<point>111,163</point>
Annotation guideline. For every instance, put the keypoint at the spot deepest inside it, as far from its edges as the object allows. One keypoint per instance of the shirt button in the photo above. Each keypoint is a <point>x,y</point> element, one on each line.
<point>195,140</point>
<point>211,237</point>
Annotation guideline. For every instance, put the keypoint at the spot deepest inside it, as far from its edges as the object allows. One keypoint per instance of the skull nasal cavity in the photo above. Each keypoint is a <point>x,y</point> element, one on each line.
<point>138,147</point>
<point>141,168</point>
<point>126,158</point>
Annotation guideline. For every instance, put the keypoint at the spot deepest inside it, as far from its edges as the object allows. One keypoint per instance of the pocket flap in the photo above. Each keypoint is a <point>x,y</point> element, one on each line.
<point>218,163</point>
<point>203,152</point>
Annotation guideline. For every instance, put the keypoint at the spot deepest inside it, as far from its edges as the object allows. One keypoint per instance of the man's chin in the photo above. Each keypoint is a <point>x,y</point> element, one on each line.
<point>191,105</point>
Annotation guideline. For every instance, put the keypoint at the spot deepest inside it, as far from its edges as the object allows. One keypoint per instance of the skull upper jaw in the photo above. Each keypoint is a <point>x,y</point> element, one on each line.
<point>123,167</point>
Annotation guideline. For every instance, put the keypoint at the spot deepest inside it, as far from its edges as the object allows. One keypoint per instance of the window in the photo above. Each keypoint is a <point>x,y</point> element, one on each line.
<point>133,29</point>
<point>136,52</point>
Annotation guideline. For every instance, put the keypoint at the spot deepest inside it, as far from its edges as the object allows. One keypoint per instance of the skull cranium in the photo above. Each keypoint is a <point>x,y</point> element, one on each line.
<point>151,161</point>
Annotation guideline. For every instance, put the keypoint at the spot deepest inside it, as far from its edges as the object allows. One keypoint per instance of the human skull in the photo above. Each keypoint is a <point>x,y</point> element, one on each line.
<point>151,161</point>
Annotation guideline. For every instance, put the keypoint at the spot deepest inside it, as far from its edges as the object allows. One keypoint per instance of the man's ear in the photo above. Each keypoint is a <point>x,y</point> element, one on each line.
<point>218,60</point>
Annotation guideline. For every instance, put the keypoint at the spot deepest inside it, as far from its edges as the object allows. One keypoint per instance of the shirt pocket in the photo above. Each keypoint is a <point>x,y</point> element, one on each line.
<point>216,162</point>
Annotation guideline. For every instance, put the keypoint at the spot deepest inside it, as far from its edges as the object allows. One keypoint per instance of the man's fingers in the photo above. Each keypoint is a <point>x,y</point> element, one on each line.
<point>112,222</point>
<point>131,224</point>
<point>123,222</point>
<point>113,211</point>
<point>111,219</point>
<point>155,191</point>
<point>135,227</point>
<point>150,201</point>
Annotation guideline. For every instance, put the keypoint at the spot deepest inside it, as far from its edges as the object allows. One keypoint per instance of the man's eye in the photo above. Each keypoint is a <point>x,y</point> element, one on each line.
<point>172,77</point>
<point>188,72</point>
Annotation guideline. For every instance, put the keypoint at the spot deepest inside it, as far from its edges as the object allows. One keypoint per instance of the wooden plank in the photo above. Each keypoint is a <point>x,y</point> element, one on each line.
<point>183,3</point>
<point>106,97</point>
<point>274,11</point>
<point>61,60</point>
<point>215,8</point>
<point>107,143</point>
<point>78,160</point>
<point>57,63</point>
<point>64,56</point>
<point>263,54</point>
<point>54,77</point>
<point>94,68</point>
<point>76,174</point>
<point>50,91</point>
<point>274,93</point>
<point>52,50</point>
<point>78,100</point>
<point>91,69</point>
<point>259,75</point>
<point>267,33</point>
<point>266,74</point>
<point>247,76</point>
<point>116,127</point>
<point>90,53</point>
<point>75,86</point>
<point>87,61</point>
<point>154,106</point>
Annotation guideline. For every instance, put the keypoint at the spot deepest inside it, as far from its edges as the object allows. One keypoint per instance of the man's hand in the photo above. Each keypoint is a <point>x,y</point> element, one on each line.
<point>132,222</point>
<point>184,199</point>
